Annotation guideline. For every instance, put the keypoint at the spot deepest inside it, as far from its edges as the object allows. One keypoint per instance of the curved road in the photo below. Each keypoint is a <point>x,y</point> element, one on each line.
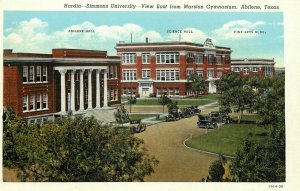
<point>176,162</point>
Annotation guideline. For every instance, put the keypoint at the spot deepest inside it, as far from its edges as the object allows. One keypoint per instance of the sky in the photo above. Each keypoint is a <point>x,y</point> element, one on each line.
<point>40,31</point>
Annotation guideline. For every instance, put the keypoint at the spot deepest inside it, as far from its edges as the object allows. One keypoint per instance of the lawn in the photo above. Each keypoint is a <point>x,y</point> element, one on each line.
<point>228,139</point>
<point>180,102</point>
<point>140,116</point>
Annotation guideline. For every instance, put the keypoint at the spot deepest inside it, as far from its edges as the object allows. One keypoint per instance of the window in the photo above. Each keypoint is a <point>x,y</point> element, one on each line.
<point>190,55</point>
<point>129,58</point>
<point>167,58</point>
<point>246,70</point>
<point>167,75</point>
<point>38,73</point>
<point>171,92</point>
<point>219,60</point>
<point>111,92</point>
<point>129,74</point>
<point>189,73</point>
<point>210,73</point>
<point>25,103</point>
<point>199,73</point>
<point>199,58</point>
<point>146,58</point>
<point>45,101</point>
<point>116,94</point>
<point>45,73</point>
<point>115,72</point>
<point>31,103</point>
<point>236,69</point>
<point>211,59</point>
<point>255,69</point>
<point>158,92</point>
<point>124,91</point>
<point>219,74</point>
<point>177,92</point>
<point>145,74</point>
<point>134,91</point>
<point>111,71</point>
<point>25,73</point>
<point>31,73</point>
<point>38,102</point>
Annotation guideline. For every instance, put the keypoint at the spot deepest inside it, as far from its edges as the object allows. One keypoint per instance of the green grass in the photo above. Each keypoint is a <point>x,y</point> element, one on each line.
<point>140,116</point>
<point>180,101</point>
<point>228,139</point>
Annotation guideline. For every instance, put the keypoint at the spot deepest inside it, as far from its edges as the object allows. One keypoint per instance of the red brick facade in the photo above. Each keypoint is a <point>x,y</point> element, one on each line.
<point>40,85</point>
<point>253,67</point>
<point>192,58</point>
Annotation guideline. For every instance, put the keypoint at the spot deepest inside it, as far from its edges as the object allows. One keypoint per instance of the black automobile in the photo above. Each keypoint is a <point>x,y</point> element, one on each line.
<point>138,128</point>
<point>188,112</point>
<point>225,118</point>
<point>173,116</point>
<point>220,117</point>
<point>196,109</point>
<point>206,122</point>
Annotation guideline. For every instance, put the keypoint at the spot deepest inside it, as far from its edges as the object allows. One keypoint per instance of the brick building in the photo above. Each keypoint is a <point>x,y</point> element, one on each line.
<point>253,67</point>
<point>40,86</point>
<point>156,68</point>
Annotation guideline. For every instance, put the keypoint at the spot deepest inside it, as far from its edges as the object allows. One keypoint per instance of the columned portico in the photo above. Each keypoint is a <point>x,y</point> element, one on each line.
<point>63,89</point>
<point>105,89</point>
<point>89,88</point>
<point>81,100</point>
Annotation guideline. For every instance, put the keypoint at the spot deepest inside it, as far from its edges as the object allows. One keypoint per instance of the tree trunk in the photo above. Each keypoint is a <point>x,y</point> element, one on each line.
<point>240,117</point>
<point>130,107</point>
<point>163,108</point>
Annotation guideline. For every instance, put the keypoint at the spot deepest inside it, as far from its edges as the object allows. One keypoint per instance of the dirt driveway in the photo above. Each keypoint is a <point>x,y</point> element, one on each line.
<point>176,162</point>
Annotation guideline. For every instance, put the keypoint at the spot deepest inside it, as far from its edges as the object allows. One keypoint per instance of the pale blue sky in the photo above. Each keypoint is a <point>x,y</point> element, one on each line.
<point>40,31</point>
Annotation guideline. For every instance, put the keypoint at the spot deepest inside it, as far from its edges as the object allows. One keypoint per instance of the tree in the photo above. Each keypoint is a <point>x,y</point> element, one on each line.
<point>217,170</point>
<point>197,83</point>
<point>81,149</point>
<point>131,100</point>
<point>164,100</point>
<point>265,162</point>
<point>172,105</point>
<point>238,99</point>
<point>121,115</point>
<point>229,80</point>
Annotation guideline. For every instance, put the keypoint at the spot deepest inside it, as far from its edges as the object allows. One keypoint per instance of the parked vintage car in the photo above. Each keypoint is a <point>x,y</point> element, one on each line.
<point>137,128</point>
<point>206,122</point>
<point>174,115</point>
<point>187,112</point>
<point>196,109</point>
<point>220,117</point>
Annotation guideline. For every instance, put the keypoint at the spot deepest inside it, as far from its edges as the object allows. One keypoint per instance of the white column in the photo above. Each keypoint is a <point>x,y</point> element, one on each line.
<point>73,90</point>
<point>63,90</point>
<point>90,90</point>
<point>105,89</point>
<point>81,106</point>
<point>98,88</point>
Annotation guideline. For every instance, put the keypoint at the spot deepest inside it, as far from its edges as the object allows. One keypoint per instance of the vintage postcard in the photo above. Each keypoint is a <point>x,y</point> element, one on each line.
<point>177,95</point>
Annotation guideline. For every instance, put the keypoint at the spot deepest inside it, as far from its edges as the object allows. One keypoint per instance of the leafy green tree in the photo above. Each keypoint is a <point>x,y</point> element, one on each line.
<point>164,100</point>
<point>217,170</point>
<point>265,162</point>
<point>239,99</point>
<point>121,115</point>
<point>197,83</point>
<point>172,105</point>
<point>81,149</point>
<point>230,80</point>
<point>131,100</point>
